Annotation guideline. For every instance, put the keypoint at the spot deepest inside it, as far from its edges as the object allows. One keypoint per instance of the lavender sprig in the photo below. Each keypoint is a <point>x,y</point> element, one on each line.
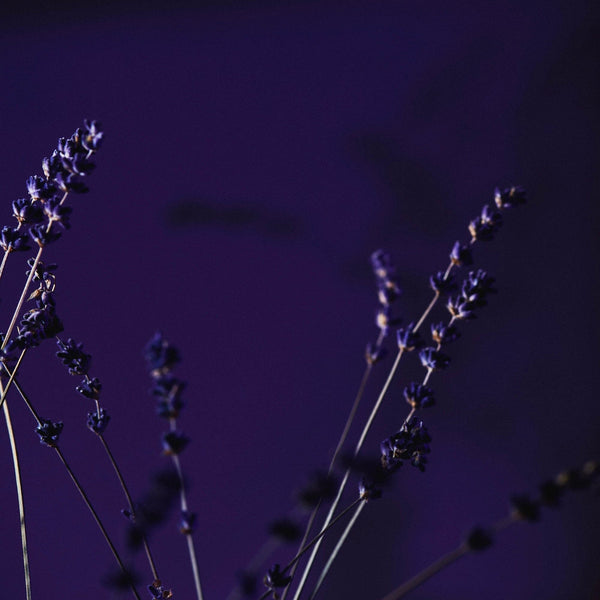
<point>78,363</point>
<point>161,357</point>
<point>482,228</point>
<point>523,508</point>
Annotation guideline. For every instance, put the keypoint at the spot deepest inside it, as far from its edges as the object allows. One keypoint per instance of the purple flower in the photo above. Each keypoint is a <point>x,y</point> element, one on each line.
<point>476,287</point>
<point>410,443</point>
<point>49,432</point>
<point>90,388</point>
<point>168,389</point>
<point>174,443</point>
<point>368,490</point>
<point>160,355</point>
<point>418,395</point>
<point>486,225</point>
<point>43,235</point>
<point>13,240</point>
<point>433,359</point>
<point>39,324</point>
<point>509,197</point>
<point>460,308</point>
<point>27,211</point>
<point>461,255</point>
<point>373,354</point>
<point>382,264</point>
<point>57,212</point>
<point>73,357</point>
<point>442,283</point>
<point>442,333</point>
<point>91,136</point>
<point>408,339</point>
<point>275,578</point>
<point>98,422</point>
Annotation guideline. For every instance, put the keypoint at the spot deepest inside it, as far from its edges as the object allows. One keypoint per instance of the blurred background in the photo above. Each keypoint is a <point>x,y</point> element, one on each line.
<point>256,153</point>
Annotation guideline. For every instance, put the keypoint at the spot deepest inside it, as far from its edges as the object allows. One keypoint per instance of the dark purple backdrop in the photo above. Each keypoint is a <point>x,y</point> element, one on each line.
<point>254,157</point>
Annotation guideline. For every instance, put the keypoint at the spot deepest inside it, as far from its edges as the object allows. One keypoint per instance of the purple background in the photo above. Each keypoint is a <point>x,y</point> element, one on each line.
<point>295,139</point>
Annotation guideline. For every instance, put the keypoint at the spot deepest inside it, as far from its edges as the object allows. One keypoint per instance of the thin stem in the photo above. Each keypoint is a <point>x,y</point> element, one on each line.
<point>337,549</point>
<point>315,540</point>
<point>4,259</point>
<point>338,449</point>
<point>23,395</point>
<point>19,484</point>
<point>74,479</point>
<point>113,462</point>
<point>15,316</point>
<point>11,375</point>
<point>445,561</point>
<point>190,541</point>
<point>347,473</point>
<point>320,535</point>
<point>428,572</point>
<point>98,521</point>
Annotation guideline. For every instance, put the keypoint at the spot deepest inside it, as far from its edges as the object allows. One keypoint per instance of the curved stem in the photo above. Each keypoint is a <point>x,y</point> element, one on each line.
<point>337,549</point>
<point>11,376</point>
<point>428,572</point>
<point>189,539</point>
<point>98,521</point>
<point>320,535</point>
<point>338,449</point>
<point>19,485</point>
<point>113,462</point>
<point>4,259</point>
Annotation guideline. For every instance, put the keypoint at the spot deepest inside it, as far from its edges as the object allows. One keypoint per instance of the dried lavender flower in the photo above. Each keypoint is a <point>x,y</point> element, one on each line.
<point>49,431</point>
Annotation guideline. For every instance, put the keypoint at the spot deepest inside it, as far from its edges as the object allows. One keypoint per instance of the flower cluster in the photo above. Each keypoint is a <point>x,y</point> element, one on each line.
<point>388,292</point>
<point>410,443</point>
<point>42,214</point>
<point>79,363</point>
<point>41,322</point>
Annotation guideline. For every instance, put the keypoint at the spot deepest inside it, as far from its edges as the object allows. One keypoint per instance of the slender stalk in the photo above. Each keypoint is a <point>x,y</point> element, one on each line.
<point>11,376</point>
<point>316,539</point>
<point>19,485</point>
<point>115,466</point>
<point>190,540</point>
<point>4,259</point>
<point>97,519</point>
<point>338,449</point>
<point>428,572</point>
<point>320,535</point>
<point>347,473</point>
<point>445,561</point>
<point>337,549</point>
